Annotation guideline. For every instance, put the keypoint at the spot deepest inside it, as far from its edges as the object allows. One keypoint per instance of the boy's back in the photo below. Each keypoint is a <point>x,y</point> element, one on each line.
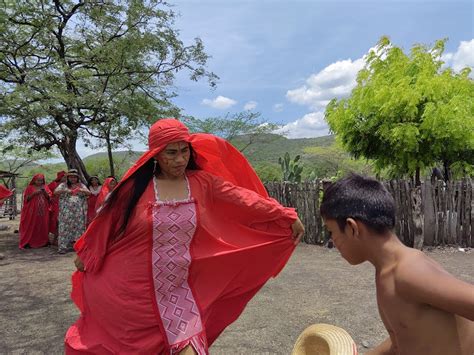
<point>416,327</point>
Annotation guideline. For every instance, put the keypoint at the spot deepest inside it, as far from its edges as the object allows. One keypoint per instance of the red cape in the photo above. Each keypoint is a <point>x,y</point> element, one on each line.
<point>242,239</point>
<point>91,203</point>
<point>4,193</point>
<point>34,219</point>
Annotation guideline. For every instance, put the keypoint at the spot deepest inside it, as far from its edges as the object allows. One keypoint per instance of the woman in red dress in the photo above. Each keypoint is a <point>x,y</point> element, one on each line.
<point>94,187</point>
<point>185,240</point>
<point>109,185</point>
<point>54,214</point>
<point>34,219</point>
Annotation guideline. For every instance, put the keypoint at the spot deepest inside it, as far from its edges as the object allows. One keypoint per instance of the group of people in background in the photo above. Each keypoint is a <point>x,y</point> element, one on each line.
<point>62,208</point>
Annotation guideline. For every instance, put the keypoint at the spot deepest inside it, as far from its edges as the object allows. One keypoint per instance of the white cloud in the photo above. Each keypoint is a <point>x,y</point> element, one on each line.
<point>278,107</point>
<point>220,102</point>
<point>335,81</point>
<point>463,57</point>
<point>251,105</point>
<point>310,125</point>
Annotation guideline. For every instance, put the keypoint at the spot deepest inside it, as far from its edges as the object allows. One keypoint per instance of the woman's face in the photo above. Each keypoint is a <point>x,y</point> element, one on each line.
<point>94,182</point>
<point>39,181</point>
<point>174,159</point>
<point>73,179</point>
<point>112,183</point>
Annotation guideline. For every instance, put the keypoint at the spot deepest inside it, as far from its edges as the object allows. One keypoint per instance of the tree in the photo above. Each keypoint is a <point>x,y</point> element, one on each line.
<point>15,158</point>
<point>69,66</point>
<point>334,161</point>
<point>245,128</point>
<point>406,112</point>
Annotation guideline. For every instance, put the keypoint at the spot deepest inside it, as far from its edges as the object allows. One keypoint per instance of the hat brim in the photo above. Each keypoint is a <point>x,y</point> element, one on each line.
<point>324,339</point>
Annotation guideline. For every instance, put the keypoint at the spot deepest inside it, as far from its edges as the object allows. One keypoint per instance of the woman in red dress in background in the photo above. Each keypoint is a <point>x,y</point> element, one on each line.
<point>54,214</point>
<point>109,185</point>
<point>94,187</point>
<point>34,220</point>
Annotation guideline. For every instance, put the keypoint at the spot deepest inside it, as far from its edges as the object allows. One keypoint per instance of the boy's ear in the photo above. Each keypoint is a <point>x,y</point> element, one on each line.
<point>352,228</point>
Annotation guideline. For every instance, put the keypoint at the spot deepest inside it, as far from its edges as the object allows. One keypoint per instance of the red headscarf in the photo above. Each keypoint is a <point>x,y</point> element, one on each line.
<point>59,175</point>
<point>214,155</point>
<point>32,182</point>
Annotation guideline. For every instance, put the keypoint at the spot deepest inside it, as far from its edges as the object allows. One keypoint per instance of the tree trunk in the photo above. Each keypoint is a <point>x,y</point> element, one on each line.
<point>417,176</point>
<point>68,150</point>
<point>447,172</point>
<point>417,206</point>
<point>111,159</point>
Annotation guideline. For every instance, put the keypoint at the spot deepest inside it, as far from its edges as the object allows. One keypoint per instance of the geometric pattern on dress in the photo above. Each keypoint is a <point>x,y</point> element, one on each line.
<point>174,225</point>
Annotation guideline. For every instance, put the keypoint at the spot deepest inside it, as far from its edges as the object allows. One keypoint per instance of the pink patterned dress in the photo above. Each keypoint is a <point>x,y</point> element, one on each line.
<point>174,225</point>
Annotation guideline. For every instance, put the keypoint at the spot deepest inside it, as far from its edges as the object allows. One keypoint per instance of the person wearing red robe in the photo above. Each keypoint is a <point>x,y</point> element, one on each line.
<point>4,194</point>
<point>94,187</point>
<point>182,244</point>
<point>34,219</point>
<point>54,214</point>
<point>109,185</point>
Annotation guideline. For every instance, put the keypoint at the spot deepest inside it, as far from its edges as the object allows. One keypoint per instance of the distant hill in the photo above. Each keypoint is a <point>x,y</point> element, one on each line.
<point>270,147</point>
<point>267,149</point>
<point>263,154</point>
<point>118,155</point>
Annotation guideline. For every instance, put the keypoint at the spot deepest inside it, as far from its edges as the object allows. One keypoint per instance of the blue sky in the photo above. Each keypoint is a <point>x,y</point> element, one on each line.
<point>286,59</point>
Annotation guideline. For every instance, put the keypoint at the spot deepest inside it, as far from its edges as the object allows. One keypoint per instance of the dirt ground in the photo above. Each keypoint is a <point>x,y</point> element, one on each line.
<point>317,286</point>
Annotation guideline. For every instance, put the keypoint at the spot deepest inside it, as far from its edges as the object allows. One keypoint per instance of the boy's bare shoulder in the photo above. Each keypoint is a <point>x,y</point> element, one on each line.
<point>420,279</point>
<point>414,265</point>
<point>416,271</point>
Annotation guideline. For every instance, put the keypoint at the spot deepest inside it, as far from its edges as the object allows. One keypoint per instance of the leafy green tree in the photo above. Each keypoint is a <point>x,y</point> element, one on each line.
<point>406,112</point>
<point>68,66</point>
<point>242,128</point>
<point>333,161</point>
<point>268,172</point>
<point>15,158</point>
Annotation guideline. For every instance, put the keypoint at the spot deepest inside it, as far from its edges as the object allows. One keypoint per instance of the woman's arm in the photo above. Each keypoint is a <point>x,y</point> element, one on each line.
<point>61,189</point>
<point>240,202</point>
<point>31,195</point>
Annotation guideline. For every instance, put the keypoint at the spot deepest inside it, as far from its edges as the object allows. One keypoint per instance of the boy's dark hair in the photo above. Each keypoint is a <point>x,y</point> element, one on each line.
<point>360,198</point>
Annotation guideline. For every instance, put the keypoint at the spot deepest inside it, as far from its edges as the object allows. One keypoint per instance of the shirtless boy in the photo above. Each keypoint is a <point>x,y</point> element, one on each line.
<point>426,310</point>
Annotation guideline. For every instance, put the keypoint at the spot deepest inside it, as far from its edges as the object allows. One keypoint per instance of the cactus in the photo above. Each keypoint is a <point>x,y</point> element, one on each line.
<point>290,169</point>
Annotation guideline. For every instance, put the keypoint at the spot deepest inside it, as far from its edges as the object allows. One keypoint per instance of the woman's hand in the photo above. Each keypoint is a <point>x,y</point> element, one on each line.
<point>79,264</point>
<point>298,230</point>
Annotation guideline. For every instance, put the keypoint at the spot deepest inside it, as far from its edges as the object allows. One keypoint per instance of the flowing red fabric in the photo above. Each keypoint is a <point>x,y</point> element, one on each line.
<point>54,214</point>
<point>91,203</point>
<point>242,239</point>
<point>4,194</point>
<point>34,219</point>
<point>104,191</point>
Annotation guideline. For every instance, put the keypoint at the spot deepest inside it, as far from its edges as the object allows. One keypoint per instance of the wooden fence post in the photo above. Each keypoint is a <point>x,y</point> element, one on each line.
<point>429,213</point>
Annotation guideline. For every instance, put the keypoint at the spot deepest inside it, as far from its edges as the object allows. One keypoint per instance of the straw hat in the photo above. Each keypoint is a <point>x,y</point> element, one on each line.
<point>324,339</point>
<point>72,172</point>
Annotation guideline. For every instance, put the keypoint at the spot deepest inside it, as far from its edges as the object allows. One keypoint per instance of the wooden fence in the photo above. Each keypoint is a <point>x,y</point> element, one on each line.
<point>447,210</point>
